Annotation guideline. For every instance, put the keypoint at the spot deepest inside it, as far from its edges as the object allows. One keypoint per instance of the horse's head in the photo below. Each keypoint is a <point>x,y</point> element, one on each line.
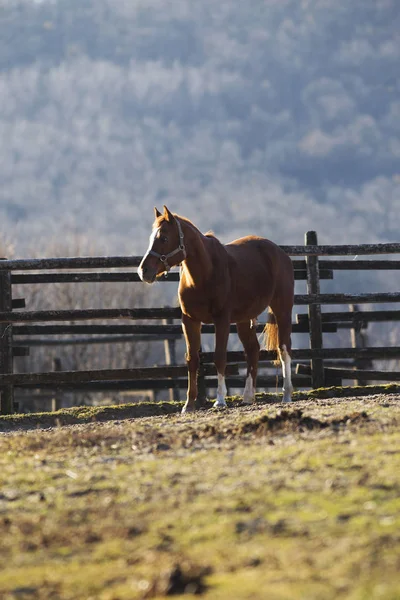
<point>166,248</point>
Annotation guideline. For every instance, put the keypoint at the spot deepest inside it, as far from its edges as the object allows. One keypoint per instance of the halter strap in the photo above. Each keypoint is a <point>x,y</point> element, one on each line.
<point>181,248</point>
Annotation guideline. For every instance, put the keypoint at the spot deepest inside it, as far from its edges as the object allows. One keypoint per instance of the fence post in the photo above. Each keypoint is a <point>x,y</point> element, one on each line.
<point>56,401</point>
<point>359,340</point>
<point>170,359</point>
<point>314,312</point>
<point>201,383</point>
<point>6,351</point>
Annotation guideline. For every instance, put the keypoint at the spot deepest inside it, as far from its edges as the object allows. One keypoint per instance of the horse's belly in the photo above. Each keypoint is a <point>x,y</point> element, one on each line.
<point>249,310</point>
<point>252,295</point>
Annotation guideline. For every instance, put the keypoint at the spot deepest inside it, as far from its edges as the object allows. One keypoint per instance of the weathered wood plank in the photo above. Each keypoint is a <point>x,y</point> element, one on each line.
<point>384,352</point>
<point>360,265</point>
<point>343,250</point>
<point>365,316</point>
<point>364,374</point>
<point>163,331</point>
<point>104,262</point>
<point>367,298</point>
<point>106,339</point>
<point>89,314</point>
<point>73,377</point>
<point>359,339</point>
<point>175,313</point>
<point>6,349</point>
<point>314,312</point>
<point>162,384</point>
<point>95,329</point>
<point>36,278</point>
<point>76,262</point>
<point>351,265</point>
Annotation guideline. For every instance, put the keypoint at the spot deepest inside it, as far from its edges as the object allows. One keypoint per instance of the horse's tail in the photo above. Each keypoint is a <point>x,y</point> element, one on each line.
<point>271,337</point>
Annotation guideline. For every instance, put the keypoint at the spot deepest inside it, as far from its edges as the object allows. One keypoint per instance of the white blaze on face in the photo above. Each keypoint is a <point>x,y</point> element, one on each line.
<point>287,375</point>
<point>151,242</point>
<point>221,392</point>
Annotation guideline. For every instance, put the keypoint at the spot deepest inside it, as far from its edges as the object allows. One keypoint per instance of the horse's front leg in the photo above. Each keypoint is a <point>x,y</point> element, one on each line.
<point>192,333</point>
<point>221,342</point>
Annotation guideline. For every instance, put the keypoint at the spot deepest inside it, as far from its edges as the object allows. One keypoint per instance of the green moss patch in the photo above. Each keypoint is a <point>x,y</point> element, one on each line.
<point>89,414</point>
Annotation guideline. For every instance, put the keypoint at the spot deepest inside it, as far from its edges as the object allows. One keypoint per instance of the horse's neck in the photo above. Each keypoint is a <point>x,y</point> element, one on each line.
<point>197,268</point>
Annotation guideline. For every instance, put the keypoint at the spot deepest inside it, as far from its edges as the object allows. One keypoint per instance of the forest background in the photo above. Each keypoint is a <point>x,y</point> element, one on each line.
<point>270,117</point>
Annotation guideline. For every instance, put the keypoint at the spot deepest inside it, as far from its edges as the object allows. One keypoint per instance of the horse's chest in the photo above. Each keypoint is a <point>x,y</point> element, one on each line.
<point>196,306</point>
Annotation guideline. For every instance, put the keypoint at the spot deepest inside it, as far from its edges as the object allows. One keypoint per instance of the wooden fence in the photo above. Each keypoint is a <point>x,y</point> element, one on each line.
<point>19,329</point>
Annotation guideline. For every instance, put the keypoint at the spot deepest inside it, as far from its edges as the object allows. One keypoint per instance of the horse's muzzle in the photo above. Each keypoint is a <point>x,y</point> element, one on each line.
<point>146,274</point>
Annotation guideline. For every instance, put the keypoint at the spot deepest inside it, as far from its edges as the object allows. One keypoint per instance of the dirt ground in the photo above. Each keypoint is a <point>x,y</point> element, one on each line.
<point>264,501</point>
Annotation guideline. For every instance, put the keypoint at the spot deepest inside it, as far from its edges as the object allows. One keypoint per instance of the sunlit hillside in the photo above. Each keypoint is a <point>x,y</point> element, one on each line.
<point>269,117</point>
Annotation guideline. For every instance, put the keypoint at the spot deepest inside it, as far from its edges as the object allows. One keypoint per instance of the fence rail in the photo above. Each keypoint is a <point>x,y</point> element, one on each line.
<point>58,377</point>
<point>127,385</point>
<point>338,373</point>
<point>355,317</point>
<point>173,331</point>
<point>120,277</point>
<point>115,262</point>
<point>155,313</point>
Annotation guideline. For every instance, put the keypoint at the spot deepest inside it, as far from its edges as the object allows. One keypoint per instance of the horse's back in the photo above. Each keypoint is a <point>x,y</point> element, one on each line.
<point>263,273</point>
<point>259,251</point>
<point>253,242</point>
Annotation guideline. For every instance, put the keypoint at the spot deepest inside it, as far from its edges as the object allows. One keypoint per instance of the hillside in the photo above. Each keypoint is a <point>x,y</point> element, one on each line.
<point>264,117</point>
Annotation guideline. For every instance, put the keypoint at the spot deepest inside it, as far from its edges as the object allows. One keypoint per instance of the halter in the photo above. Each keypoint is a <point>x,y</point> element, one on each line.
<point>181,248</point>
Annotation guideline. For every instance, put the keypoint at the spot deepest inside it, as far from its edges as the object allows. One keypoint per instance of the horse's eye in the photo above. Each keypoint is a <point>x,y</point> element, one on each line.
<point>164,239</point>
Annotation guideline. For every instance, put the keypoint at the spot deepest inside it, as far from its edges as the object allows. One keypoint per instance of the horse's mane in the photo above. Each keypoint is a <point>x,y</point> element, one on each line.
<point>209,234</point>
<point>160,220</point>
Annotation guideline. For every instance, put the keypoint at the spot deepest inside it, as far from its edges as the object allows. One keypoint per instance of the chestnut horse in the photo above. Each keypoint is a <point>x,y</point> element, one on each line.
<point>222,285</point>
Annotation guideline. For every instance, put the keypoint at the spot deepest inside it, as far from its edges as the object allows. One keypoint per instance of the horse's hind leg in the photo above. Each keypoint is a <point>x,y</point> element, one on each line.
<point>284,348</point>
<point>248,337</point>
<point>286,362</point>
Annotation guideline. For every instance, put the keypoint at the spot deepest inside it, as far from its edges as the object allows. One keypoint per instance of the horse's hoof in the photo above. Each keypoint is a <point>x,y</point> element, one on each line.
<point>219,404</point>
<point>187,409</point>
<point>249,401</point>
<point>286,399</point>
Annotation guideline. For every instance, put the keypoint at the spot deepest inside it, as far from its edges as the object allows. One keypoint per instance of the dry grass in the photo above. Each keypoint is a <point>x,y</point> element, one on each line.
<point>254,502</point>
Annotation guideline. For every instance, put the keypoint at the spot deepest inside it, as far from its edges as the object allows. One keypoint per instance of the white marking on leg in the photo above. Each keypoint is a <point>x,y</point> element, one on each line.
<point>221,392</point>
<point>187,408</point>
<point>286,362</point>
<point>249,391</point>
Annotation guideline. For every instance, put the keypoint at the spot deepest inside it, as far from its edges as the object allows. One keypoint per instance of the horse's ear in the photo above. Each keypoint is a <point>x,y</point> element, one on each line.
<point>157,213</point>
<point>168,216</point>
